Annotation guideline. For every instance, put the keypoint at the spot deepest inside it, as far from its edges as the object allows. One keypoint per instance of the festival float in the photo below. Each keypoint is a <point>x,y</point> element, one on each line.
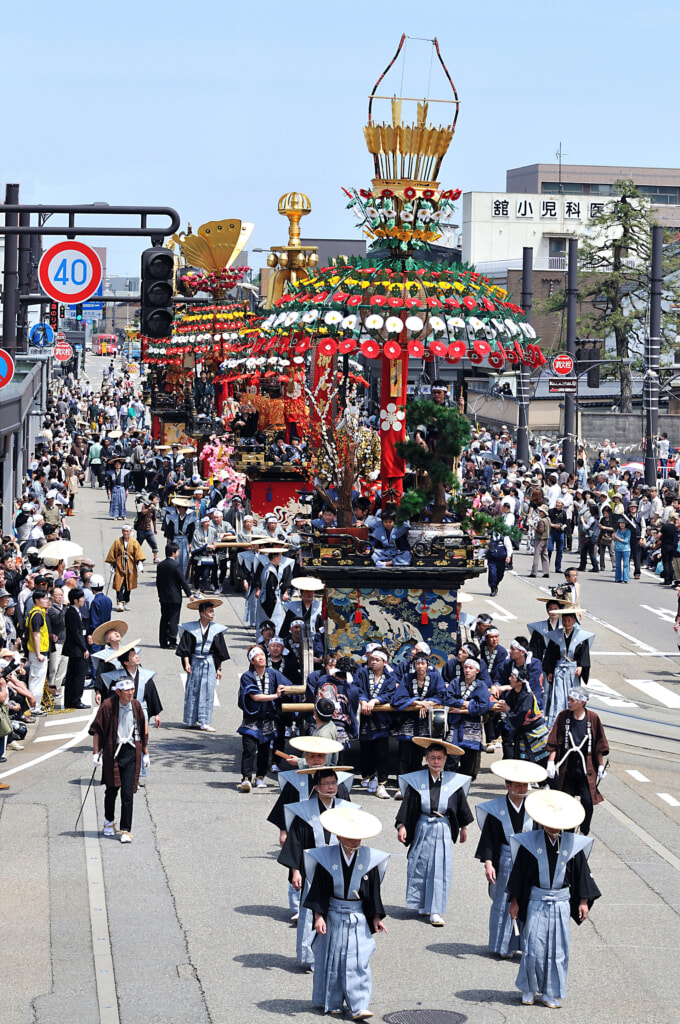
<point>407,299</point>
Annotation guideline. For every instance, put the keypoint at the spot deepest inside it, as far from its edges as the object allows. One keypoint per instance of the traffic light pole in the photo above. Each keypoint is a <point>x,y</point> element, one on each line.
<point>652,351</point>
<point>523,372</point>
<point>569,445</point>
<point>11,270</point>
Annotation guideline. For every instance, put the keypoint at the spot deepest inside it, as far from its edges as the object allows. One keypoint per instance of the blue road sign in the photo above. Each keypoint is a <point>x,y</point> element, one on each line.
<point>41,336</point>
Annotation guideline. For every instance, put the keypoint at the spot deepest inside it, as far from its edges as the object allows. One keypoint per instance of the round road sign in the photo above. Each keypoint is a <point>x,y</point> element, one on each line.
<point>6,368</point>
<point>61,336</point>
<point>63,351</point>
<point>563,364</point>
<point>70,272</point>
<point>41,336</point>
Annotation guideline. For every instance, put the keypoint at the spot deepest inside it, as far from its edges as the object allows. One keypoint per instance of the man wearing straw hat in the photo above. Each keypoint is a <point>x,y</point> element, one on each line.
<point>309,607</point>
<point>434,812</point>
<point>567,661</point>
<point>498,820</point>
<point>317,751</point>
<point>120,742</point>
<point>550,879</point>
<point>274,585</point>
<point>179,526</point>
<point>303,832</point>
<point>124,556</point>
<point>202,648</point>
<point>116,486</point>
<point>344,894</point>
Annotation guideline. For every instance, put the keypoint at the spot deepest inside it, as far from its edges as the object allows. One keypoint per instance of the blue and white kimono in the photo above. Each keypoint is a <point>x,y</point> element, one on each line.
<point>118,487</point>
<point>429,836</point>
<point>538,632</point>
<point>410,724</point>
<point>274,581</point>
<point>206,651</point>
<point>341,957</point>
<point>562,657</point>
<point>545,955</point>
<point>392,546</point>
<point>466,730</point>
<point>259,717</point>
<point>376,725</point>
<point>309,812</point>
<point>502,938</point>
<point>180,534</point>
<point>248,567</point>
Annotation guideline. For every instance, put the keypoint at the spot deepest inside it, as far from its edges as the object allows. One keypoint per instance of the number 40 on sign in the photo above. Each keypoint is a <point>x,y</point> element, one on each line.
<point>70,272</point>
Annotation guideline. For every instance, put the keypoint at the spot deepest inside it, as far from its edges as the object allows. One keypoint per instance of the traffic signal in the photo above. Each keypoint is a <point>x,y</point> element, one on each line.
<point>62,312</point>
<point>79,312</point>
<point>158,273</point>
<point>587,362</point>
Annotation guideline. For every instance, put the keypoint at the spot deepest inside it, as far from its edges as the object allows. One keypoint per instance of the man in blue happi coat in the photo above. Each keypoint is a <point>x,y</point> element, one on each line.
<point>390,542</point>
<point>549,881</point>
<point>434,812</point>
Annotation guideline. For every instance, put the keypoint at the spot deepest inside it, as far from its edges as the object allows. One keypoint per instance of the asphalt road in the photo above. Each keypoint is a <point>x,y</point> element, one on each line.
<point>190,923</point>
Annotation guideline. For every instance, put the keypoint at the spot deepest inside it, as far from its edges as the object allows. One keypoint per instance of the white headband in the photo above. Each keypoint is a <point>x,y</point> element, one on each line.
<point>125,684</point>
<point>379,654</point>
<point>253,651</point>
<point>472,661</point>
<point>518,646</point>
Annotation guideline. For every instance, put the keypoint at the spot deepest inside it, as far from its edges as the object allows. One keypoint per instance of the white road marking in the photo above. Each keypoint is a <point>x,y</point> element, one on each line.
<point>635,774</point>
<point>627,636</point>
<point>657,692</point>
<point>55,736</point>
<point>99,922</point>
<point>645,837</point>
<point>617,654</point>
<point>183,678</point>
<point>66,721</point>
<point>669,799</point>
<point>608,696</point>
<point>501,613</point>
<point>664,613</point>
<point>78,738</point>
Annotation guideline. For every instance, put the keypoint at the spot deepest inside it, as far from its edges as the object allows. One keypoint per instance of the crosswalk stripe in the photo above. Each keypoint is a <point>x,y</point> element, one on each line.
<point>501,613</point>
<point>607,695</point>
<point>657,692</point>
<point>53,736</point>
<point>67,721</point>
<point>638,776</point>
<point>669,799</point>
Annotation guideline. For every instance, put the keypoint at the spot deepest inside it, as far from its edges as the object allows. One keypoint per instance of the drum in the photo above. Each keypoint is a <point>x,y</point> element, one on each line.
<point>437,723</point>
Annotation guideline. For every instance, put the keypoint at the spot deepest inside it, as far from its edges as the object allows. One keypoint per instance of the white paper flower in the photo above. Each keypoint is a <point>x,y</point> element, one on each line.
<point>280,319</point>
<point>333,317</point>
<point>310,316</point>
<point>267,324</point>
<point>476,324</point>
<point>374,322</point>
<point>455,324</point>
<point>394,325</point>
<point>217,337</point>
<point>297,360</point>
<point>391,418</point>
<point>437,325</point>
<point>291,318</point>
<point>414,323</point>
<point>527,330</point>
<point>512,327</point>
<point>350,322</point>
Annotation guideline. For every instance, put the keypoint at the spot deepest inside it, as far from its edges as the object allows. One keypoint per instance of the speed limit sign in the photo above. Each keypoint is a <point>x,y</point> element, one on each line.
<point>70,272</point>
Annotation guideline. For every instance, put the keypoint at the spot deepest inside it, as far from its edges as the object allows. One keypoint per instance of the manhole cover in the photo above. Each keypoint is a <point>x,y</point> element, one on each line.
<point>172,745</point>
<point>425,1017</point>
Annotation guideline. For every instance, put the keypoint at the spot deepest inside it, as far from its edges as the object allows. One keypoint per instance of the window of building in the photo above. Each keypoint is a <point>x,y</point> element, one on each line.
<point>567,188</point>
<point>602,190</point>
<point>660,195</point>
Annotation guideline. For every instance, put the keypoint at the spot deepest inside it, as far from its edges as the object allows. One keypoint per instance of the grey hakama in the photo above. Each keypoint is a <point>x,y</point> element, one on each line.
<point>117,504</point>
<point>564,671</point>
<point>308,811</point>
<point>205,655</point>
<point>502,938</point>
<point>430,857</point>
<point>545,955</point>
<point>341,956</point>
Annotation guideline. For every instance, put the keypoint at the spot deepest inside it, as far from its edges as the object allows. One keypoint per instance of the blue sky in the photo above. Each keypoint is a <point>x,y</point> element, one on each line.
<point>218,109</point>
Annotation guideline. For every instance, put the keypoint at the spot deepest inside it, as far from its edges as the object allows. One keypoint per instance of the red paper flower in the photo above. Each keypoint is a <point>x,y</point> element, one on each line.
<point>496,360</point>
<point>456,351</point>
<point>340,296</point>
<point>365,193</point>
<point>303,346</point>
<point>392,349</point>
<point>474,357</point>
<point>410,193</point>
<point>378,300</point>
<point>327,348</point>
<point>415,348</point>
<point>482,347</point>
<point>470,302</point>
<point>452,193</point>
<point>439,348</point>
<point>434,303</point>
<point>413,303</point>
<point>354,300</point>
<point>428,193</point>
<point>452,303</point>
<point>347,346</point>
<point>395,301</point>
<point>387,192</point>
<point>370,348</point>
<point>488,304</point>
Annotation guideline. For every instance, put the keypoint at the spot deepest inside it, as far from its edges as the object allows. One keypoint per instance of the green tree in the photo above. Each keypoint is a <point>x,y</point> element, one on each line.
<point>446,431</point>
<point>613,285</point>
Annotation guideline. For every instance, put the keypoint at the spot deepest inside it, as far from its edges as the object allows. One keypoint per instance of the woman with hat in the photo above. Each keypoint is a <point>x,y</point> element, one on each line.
<point>434,812</point>
<point>550,879</point>
<point>344,895</point>
<point>260,691</point>
<point>567,661</point>
<point>498,820</point>
<point>202,647</point>
<point>541,537</point>
<point>577,747</point>
<point>116,488</point>
<point>304,831</point>
<point>376,685</point>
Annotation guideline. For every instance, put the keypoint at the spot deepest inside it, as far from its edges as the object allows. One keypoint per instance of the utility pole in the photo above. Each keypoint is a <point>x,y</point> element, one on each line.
<point>11,274</point>
<point>24,281</point>
<point>523,371</point>
<point>569,446</point>
<point>652,353</point>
